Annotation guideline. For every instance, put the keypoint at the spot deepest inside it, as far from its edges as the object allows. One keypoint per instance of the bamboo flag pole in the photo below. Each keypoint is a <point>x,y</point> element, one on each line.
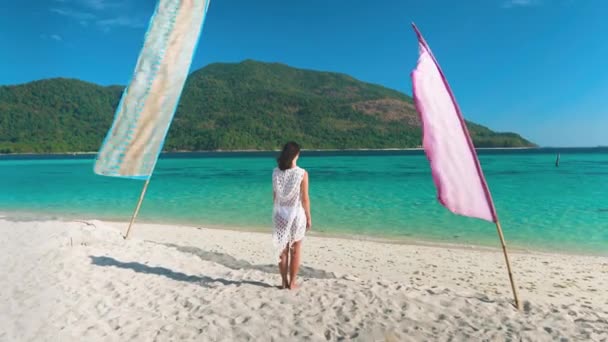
<point>141,199</point>
<point>504,250</point>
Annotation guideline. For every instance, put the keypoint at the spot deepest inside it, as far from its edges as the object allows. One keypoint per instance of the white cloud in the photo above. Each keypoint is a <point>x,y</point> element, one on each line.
<point>107,24</point>
<point>54,37</point>
<point>93,4</point>
<point>520,3</point>
<point>99,4</point>
<point>99,13</point>
<point>73,14</point>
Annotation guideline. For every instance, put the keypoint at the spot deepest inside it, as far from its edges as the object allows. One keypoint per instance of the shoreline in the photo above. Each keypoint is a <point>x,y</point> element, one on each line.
<point>405,241</point>
<point>389,240</point>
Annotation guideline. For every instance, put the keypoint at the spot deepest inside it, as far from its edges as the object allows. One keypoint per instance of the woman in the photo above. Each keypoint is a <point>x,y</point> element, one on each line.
<point>291,213</point>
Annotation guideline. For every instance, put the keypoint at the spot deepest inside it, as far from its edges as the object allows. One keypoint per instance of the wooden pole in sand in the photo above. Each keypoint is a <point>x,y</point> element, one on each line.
<point>504,250</point>
<point>141,199</point>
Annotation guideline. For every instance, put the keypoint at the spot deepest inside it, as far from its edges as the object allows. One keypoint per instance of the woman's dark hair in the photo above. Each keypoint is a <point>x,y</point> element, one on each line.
<point>290,151</point>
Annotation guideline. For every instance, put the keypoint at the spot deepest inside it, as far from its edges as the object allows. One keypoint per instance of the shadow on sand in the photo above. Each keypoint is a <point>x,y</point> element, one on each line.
<point>225,260</point>
<point>233,263</point>
<point>165,272</point>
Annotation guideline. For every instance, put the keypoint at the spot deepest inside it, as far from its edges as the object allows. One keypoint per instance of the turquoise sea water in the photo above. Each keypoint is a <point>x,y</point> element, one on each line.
<point>386,194</point>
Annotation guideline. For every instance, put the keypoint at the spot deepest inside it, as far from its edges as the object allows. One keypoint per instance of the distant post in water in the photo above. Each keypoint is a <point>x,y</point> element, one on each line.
<point>457,174</point>
<point>147,106</point>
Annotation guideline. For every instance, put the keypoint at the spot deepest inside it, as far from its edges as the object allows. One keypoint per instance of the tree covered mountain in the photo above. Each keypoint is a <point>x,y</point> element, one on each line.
<point>248,105</point>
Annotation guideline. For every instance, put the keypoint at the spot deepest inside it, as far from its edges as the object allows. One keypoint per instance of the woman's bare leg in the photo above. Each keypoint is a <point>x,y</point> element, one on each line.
<point>294,265</point>
<point>283,266</point>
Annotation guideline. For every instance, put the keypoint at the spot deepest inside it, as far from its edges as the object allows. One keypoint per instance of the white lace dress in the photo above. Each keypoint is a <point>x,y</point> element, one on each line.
<point>288,216</point>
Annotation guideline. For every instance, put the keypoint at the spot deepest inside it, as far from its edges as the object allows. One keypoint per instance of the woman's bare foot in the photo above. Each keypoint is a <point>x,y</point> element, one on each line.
<point>293,286</point>
<point>285,285</point>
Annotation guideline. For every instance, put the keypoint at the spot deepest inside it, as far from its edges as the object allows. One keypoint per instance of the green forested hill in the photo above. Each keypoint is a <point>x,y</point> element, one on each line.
<point>249,105</point>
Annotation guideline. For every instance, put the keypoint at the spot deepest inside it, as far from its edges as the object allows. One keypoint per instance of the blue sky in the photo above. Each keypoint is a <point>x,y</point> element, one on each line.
<point>537,67</point>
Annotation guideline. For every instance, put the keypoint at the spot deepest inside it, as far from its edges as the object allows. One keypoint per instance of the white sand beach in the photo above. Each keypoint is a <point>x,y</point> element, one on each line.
<point>80,281</point>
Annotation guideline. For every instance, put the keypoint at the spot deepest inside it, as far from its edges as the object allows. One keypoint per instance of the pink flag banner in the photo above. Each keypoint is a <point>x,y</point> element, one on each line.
<point>461,186</point>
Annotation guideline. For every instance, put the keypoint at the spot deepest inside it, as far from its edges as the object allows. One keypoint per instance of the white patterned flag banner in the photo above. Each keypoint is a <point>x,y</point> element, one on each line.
<point>147,106</point>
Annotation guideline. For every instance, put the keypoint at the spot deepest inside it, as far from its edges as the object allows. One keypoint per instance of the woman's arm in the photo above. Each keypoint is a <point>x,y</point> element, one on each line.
<point>274,192</point>
<point>306,200</point>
